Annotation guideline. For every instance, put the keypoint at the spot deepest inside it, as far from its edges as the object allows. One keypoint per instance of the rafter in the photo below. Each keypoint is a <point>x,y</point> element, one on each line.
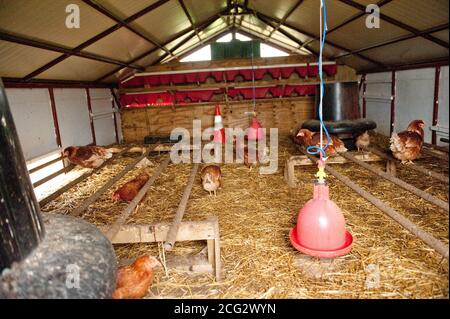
<point>200,26</point>
<point>286,16</point>
<point>398,24</point>
<point>378,63</point>
<point>400,39</point>
<point>112,16</point>
<point>255,35</point>
<point>95,39</point>
<point>44,83</point>
<point>188,15</point>
<point>51,47</point>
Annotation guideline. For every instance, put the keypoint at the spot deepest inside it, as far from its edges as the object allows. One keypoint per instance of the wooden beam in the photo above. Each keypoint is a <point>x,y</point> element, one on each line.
<point>94,39</point>
<point>55,117</point>
<point>415,167</point>
<point>426,237</point>
<point>38,168</point>
<point>172,234</point>
<point>418,192</point>
<point>398,24</point>
<point>115,227</point>
<point>99,192</point>
<point>431,63</point>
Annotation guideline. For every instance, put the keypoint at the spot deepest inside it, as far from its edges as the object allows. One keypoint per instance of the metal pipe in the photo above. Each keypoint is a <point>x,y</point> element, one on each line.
<point>21,227</point>
<point>421,169</point>
<point>426,237</point>
<point>437,74</point>
<point>399,182</point>
<point>173,231</point>
<point>393,89</point>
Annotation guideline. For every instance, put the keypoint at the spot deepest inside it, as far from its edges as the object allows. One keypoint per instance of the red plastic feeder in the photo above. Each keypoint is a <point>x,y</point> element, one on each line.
<point>320,229</point>
<point>219,130</point>
<point>255,131</point>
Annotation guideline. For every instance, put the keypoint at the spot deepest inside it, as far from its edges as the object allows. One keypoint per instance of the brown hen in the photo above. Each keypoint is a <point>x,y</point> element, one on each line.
<point>406,145</point>
<point>129,190</point>
<point>88,156</point>
<point>133,281</point>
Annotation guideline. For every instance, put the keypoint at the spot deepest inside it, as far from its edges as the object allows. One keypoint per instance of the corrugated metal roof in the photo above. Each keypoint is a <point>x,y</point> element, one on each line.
<point>44,21</point>
<point>163,22</point>
<point>356,35</point>
<point>202,10</point>
<point>121,44</point>
<point>76,68</point>
<point>19,60</point>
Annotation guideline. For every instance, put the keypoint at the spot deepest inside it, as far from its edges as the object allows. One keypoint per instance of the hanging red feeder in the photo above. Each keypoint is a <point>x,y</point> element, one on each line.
<point>320,229</point>
<point>255,131</point>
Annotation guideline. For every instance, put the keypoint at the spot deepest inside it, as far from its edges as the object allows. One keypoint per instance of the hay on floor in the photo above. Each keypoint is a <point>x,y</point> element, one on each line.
<point>256,213</point>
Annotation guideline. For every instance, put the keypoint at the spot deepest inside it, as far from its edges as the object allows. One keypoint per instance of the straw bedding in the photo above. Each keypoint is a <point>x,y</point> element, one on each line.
<point>256,213</point>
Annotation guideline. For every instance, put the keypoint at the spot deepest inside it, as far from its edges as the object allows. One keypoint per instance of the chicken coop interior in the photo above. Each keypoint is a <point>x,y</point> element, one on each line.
<point>348,100</point>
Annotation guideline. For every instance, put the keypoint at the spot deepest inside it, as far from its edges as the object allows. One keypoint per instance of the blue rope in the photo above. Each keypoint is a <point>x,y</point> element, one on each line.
<point>315,149</point>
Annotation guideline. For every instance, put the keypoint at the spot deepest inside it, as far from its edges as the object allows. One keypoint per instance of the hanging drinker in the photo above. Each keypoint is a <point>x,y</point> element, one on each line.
<point>320,229</point>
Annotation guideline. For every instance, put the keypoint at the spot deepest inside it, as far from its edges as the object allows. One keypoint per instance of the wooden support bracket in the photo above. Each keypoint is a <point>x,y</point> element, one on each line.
<point>207,230</point>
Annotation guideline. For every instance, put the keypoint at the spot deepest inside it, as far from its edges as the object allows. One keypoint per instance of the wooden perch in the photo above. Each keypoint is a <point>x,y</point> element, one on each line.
<point>426,237</point>
<point>418,192</point>
<point>172,234</point>
<point>414,167</point>
<point>115,227</point>
<point>91,199</point>
<point>77,180</point>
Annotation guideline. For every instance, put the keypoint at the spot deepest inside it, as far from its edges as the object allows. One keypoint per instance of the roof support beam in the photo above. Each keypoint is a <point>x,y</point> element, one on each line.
<point>378,63</point>
<point>41,83</point>
<point>285,17</point>
<point>266,20</point>
<point>188,15</point>
<point>201,27</point>
<point>110,15</point>
<point>95,39</point>
<point>400,39</point>
<point>47,46</point>
<point>399,24</point>
<point>261,37</point>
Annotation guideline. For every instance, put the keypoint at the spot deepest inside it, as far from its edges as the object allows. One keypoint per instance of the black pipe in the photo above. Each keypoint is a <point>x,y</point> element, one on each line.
<point>21,227</point>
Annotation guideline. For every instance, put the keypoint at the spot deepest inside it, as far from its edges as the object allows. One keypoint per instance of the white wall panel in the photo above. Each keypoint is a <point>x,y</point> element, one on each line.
<point>414,100</point>
<point>73,116</point>
<point>103,118</point>
<point>378,105</point>
<point>31,110</point>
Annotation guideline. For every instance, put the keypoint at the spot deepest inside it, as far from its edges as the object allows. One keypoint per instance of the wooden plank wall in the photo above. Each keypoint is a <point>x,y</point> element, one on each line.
<point>283,114</point>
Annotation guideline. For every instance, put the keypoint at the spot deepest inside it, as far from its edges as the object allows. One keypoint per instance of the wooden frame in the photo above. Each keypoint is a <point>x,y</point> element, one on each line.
<point>207,230</point>
<point>303,160</point>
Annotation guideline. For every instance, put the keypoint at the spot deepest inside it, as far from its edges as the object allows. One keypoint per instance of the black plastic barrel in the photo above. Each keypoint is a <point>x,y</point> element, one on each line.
<point>21,228</point>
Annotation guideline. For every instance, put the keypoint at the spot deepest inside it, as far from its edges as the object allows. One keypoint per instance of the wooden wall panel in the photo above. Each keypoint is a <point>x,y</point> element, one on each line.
<point>283,114</point>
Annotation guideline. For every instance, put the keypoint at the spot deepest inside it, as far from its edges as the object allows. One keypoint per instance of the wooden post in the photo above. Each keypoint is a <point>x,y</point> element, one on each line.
<point>171,236</point>
<point>391,167</point>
